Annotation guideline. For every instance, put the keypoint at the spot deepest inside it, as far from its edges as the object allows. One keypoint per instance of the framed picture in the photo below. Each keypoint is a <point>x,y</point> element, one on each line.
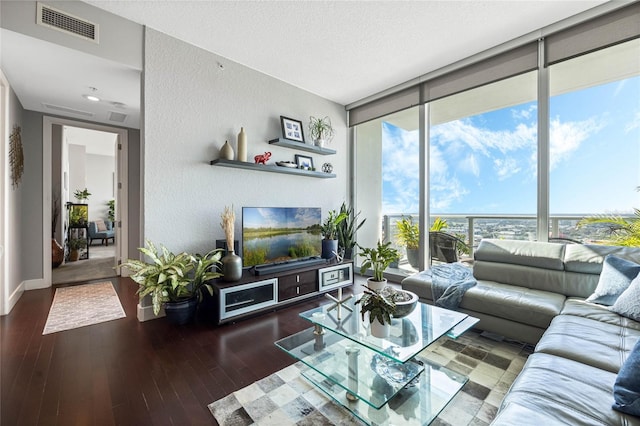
<point>292,129</point>
<point>304,162</point>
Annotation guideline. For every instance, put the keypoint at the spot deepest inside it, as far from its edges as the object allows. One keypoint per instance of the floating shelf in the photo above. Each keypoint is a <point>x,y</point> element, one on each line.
<point>270,168</point>
<point>288,143</point>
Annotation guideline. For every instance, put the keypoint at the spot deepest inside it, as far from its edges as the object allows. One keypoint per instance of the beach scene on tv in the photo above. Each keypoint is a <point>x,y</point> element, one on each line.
<point>277,234</point>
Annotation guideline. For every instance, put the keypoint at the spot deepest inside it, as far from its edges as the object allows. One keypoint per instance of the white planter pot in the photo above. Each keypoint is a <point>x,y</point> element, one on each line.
<point>376,285</point>
<point>379,330</point>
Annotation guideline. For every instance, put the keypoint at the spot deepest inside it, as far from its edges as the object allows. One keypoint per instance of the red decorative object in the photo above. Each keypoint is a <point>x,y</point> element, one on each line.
<point>262,158</point>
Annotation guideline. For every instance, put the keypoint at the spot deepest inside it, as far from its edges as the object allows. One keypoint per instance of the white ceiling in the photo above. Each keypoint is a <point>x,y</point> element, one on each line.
<point>340,50</point>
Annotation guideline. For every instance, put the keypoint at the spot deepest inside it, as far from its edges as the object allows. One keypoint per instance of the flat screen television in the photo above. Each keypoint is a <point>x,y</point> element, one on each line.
<point>278,234</point>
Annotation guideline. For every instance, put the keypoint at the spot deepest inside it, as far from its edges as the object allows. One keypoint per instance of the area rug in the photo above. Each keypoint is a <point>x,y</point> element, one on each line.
<point>287,398</point>
<point>82,305</point>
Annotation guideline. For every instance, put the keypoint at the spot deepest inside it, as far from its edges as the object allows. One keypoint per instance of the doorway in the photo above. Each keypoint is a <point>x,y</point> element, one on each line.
<point>80,156</point>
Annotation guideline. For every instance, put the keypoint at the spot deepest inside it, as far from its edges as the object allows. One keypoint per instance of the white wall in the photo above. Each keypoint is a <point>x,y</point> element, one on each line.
<point>191,107</point>
<point>100,171</point>
<point>77,170</point>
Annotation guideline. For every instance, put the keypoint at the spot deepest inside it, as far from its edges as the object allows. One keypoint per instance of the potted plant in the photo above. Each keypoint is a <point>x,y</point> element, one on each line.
<point>408,235</point>
<point>329,229</point>
<point>320,130</point>
<point>346,230</point>
<point>380,308</point>
<point>173,280</point>
<point>82,195</point>
<point>378,259</point>
<point>111,213</point>
<point>75,245</point>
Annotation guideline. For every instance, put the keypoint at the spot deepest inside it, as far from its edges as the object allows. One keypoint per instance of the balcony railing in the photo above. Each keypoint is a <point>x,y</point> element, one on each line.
<point>474,228</point>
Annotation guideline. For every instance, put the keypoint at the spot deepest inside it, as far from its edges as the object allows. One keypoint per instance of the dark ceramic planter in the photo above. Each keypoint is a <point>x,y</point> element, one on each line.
<point>413,256</point>
<point>328,248</point>
<point>182,312</point>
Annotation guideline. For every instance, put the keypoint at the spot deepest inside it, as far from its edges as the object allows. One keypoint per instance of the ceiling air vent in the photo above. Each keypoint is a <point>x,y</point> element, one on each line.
<point>62,21</point>
<point>68,110</point>
<point>118,117</point>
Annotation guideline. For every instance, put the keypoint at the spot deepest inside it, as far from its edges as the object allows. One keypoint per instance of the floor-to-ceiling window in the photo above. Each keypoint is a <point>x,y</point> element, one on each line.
<point>518,139</point>
<point>594,131</point>
<point>482,158</point>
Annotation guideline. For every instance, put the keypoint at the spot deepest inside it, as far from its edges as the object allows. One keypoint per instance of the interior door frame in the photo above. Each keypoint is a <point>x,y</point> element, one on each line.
<point>122,208</point>
<point>4,134</point>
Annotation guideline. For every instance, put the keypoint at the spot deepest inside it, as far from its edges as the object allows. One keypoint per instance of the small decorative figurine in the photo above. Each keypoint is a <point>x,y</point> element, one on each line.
<point>262,158</point>
<point>327,167</point>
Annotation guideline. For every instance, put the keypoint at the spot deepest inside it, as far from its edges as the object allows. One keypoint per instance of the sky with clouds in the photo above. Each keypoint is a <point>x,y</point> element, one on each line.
<point>487,163</point>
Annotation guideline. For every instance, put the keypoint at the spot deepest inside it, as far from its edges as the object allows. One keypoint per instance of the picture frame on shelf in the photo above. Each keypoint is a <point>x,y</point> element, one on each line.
<point>292,129</point>
<point>304,162</point>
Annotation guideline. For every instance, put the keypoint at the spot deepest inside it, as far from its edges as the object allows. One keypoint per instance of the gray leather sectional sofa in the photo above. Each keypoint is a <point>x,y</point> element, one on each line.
<point>535,292</point>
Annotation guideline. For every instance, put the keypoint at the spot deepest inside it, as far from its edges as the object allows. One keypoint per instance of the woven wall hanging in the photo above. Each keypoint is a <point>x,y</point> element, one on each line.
<point>16,156</point>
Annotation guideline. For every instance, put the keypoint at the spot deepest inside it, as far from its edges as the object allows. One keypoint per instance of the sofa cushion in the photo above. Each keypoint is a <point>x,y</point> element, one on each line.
<point>589,341</point>
<point>615,277</point>
<point>561,391</point>
<point>515,303</point>
<point>581,308</point>
<point>100,225</point>
<point>528,276</point>
<point>626,389</point>
<point>588,258</point>
<point>628,304</point>
<point>525,253</point>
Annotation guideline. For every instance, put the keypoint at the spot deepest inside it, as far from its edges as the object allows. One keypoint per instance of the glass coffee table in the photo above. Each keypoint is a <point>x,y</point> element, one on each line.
<point>381,381</point>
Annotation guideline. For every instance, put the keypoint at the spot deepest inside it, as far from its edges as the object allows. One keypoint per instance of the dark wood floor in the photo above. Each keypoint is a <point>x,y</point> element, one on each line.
<point>124,372</point>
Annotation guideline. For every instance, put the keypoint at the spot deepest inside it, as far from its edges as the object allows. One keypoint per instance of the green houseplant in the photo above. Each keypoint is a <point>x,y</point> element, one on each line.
<point>82,195</point>
<point>408,235</point>
<point>321,130</point>
<point>175,280</point>
<point>378,259</point>
<point>111,213</point>
<point>75,245</point>
<point>329,229</point>
<point>380,308</point>
<point>346,230</point>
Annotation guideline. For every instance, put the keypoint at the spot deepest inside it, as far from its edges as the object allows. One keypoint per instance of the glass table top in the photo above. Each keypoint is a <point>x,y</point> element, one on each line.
<point>409,335</point>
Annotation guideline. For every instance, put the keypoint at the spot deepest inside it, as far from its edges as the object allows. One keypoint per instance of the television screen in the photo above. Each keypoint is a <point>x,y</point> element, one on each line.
<point>276,234</point>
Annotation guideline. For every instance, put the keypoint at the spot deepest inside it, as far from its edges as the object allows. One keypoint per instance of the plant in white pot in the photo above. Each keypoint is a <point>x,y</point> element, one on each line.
<point>329,229</point>
<point>378,259</point>
<point>380,308</point>
<point>320,130</point>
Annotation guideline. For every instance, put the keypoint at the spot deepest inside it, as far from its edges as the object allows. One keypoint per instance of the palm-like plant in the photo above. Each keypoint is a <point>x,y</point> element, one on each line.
<point>330,225</point>
<point>624,232</point>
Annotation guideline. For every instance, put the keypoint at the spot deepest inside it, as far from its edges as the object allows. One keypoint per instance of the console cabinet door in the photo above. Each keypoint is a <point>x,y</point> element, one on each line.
<point>296,285</point>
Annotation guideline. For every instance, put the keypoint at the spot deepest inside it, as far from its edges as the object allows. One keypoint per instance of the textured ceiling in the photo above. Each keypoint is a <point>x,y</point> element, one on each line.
<point>346,50</point>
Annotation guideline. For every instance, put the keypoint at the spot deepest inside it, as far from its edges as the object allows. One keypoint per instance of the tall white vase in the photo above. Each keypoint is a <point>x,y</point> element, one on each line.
<point>242,145</point>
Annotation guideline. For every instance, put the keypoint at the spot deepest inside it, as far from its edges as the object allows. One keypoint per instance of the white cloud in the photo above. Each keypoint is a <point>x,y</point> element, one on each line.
<point>619,87</point>
<point>484,140</point>
<point>566,138</point>
<point>633,124</point>
<point>505,168</point>
<point>469,164</point>
<point>524,114</point>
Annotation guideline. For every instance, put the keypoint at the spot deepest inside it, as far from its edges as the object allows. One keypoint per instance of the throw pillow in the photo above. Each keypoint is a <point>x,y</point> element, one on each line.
<point>628,304</point>
<point>626,389</point>
<point>100,226</point>
<point>615,277</point>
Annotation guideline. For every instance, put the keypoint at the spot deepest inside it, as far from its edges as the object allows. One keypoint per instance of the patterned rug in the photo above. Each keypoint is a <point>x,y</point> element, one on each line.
<point>82,305</point>
<point>287,398</point>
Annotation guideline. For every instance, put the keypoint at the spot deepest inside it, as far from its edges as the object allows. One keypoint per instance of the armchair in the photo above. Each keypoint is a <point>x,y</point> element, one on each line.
<point>444,247</point>
<point>101,230</point>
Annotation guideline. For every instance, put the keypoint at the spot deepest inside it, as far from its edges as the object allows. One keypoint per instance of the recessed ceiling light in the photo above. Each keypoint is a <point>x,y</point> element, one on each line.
<point>92,98</point>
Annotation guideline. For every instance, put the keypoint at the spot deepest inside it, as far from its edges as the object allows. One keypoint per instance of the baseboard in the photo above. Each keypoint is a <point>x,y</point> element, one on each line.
<point>145,313</point>
<point>35,284</point>
<point>13,298</point>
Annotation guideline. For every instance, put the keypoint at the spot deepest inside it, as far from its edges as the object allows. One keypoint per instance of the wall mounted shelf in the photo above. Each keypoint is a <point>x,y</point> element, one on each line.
<point>288,143</point>
<point>270,168</point>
